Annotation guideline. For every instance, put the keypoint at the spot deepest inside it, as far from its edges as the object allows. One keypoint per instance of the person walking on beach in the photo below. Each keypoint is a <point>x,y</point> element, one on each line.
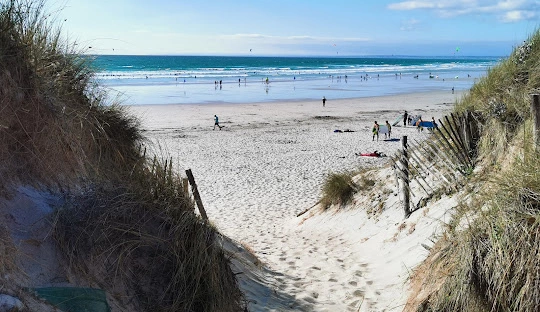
<point>389,129</point>
<point>375,131</point>
<point>404,118</point>
<point>323,101</point>
<point>216,122</point>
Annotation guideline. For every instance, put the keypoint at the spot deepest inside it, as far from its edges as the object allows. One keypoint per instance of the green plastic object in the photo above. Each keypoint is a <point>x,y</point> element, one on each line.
<point>74,299</point>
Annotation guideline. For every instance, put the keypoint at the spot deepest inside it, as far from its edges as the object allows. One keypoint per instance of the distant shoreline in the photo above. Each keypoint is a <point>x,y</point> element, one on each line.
<point>193,80</point>
<point>436,94</point>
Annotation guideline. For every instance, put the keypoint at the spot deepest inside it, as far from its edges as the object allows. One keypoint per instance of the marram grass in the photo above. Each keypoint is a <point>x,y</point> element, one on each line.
<point>127,224</point>
<point>490,261</point>
<point>338,189</point>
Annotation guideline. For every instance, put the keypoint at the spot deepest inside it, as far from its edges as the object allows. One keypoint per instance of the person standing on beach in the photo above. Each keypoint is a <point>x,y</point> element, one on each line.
<point>405,119</point>
<point>375,131</point>
<point>323,101</point>
<point>216,122</point>
<point>389,129</point>
<point>419,127</point>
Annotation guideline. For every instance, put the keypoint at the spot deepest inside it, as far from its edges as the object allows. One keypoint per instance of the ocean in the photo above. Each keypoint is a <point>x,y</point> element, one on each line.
<point>149,79</point>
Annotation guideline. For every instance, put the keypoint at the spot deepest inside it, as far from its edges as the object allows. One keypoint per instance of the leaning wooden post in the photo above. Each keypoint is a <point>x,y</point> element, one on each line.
<point>535,111</point>
<point>405,186</point>
<point>196,195</point>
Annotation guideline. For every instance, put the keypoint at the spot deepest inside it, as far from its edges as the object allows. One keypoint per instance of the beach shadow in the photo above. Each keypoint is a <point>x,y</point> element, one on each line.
<point>261,286</point>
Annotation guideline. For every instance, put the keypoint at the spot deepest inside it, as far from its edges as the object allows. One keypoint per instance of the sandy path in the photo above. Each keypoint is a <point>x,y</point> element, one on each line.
<point>267,165</point>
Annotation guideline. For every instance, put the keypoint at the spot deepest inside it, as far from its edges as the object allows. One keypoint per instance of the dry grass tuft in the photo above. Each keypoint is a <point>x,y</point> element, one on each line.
<point>8,251</point>
<point>338,189</point>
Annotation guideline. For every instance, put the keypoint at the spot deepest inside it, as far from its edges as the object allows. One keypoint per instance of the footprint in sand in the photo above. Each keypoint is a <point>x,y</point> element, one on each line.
<point>355,304</point>
<point>298,284</point>
<point>310,300</point>
<point>358,293</point>
<point>353,283</point>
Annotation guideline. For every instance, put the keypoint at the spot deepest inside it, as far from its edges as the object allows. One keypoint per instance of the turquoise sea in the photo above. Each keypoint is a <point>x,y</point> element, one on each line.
<point>196,79</point>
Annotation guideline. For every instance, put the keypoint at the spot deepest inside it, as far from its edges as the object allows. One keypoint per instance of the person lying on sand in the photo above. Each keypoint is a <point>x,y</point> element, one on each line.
<point>374,154</point>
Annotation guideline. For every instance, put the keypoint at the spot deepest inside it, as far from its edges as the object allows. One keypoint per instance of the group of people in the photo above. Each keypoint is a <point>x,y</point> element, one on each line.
<point>407,119</point>
<point>376,128</point>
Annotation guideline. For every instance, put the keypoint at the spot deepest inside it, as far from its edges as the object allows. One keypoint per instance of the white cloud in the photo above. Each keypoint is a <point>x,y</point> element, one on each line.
<point>515,16</point>
<point>410,25</point>
<point>505,10</point>
<point>296,39</point>
<point>411,5</point>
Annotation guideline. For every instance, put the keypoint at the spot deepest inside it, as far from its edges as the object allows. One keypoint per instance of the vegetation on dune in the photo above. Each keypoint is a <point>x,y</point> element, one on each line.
<point>128,225</point>
<point>145,233</point>
<point>488,258</point>
<point>338,189</point>
<point>54,125</point>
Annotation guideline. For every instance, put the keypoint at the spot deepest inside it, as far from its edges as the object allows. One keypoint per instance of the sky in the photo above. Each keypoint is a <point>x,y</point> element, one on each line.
<point>298,27</point>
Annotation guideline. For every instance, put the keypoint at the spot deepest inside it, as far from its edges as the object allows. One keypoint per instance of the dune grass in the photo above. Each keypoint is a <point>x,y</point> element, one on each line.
<point>127,224</point>
<point>54,123</point>
<point>488,258</point>
<point>143,234</point>
<point>8,251</point>
<point>338,189</point>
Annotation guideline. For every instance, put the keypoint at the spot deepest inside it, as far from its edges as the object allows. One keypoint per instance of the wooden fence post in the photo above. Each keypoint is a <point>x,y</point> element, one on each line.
<point>405,187</point>
<point>196,195</point>
<point>468,132</point>
<point>185,186</point>
<point>535,111</point>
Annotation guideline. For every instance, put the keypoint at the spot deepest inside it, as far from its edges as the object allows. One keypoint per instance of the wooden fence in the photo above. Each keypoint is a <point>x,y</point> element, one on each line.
<point>439,163</point>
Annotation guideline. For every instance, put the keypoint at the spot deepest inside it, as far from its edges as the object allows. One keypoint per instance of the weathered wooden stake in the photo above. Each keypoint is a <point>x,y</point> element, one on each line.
<point>405,188</point>
<point>468,133</point>
<point>196,195</point>
<point>535,111</point>
<point>185,186</point>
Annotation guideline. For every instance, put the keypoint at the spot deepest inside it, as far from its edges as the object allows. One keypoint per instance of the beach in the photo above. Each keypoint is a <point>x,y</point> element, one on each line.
<point>267,164</point>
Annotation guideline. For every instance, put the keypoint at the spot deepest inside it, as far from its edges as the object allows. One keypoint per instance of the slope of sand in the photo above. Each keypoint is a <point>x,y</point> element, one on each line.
<point>268,164</point>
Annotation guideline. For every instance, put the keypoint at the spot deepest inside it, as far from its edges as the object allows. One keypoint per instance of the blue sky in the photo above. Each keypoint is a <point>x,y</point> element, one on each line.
<point>299,27</point>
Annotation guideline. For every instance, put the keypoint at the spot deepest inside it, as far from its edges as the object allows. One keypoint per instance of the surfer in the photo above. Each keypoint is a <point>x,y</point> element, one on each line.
<point>375,131</point>
<point>389,129</point>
